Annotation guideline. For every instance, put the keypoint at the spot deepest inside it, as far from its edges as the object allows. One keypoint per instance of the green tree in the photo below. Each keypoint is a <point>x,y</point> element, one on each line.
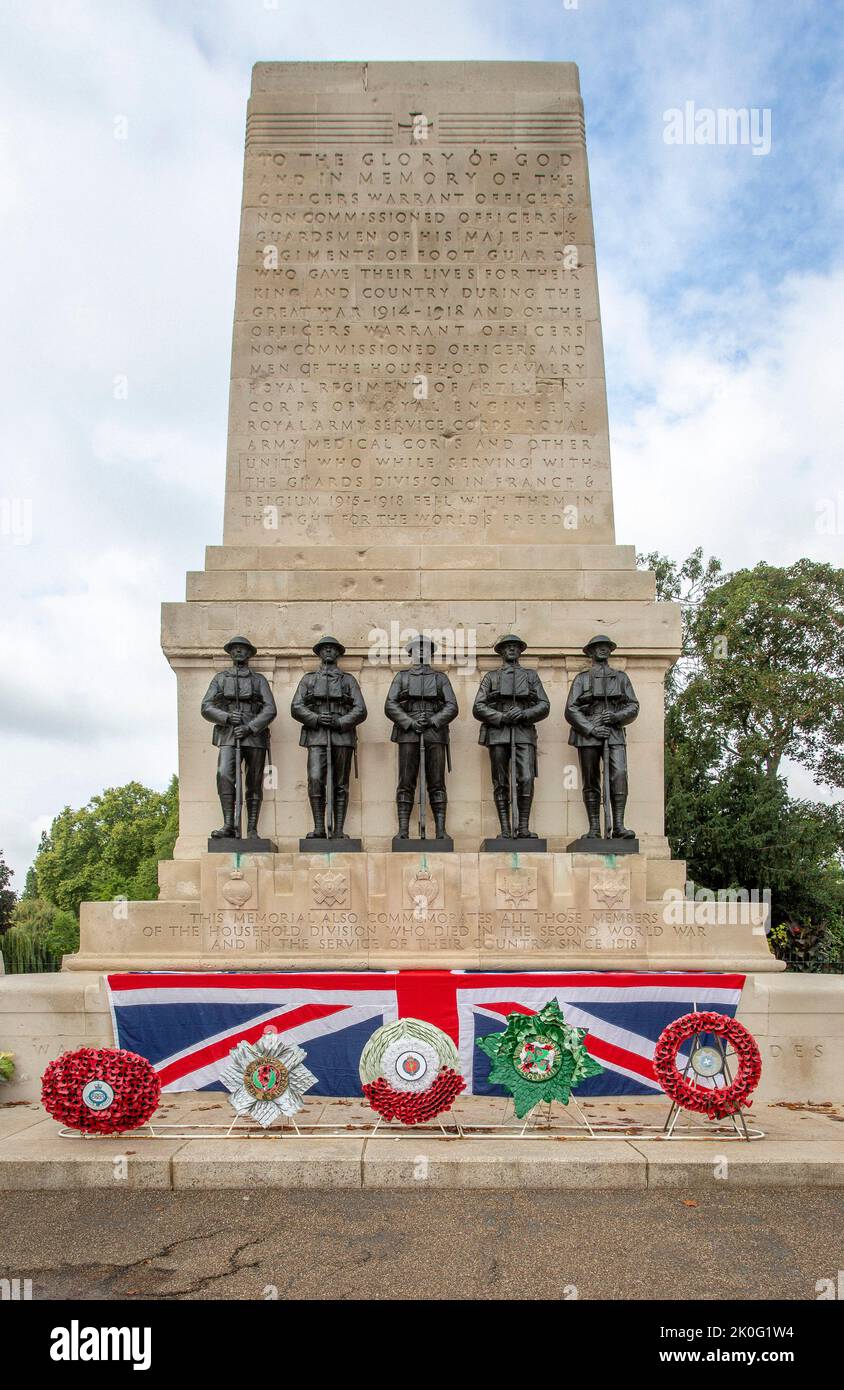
<point>40,934</point>
<point>7,893</point>
<point>768,671</point>
<point>687,583</point>
<point>761,679</point>
<point>109,848</point>
<point>30,883</point>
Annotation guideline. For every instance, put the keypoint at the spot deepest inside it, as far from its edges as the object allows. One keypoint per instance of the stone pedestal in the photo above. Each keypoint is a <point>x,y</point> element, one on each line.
<point>442,845</point>
<point>329,846</point>
<point>253,845</point>
<point>386,911</point>
<point>501,844</point>
<point>595,844</point>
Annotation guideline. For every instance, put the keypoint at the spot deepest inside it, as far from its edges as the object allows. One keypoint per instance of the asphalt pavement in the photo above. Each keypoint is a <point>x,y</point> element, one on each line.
<point>719,1242</point>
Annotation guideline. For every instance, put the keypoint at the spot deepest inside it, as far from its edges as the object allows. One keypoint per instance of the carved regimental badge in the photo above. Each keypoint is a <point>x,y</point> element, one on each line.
<point>422,888</point>
<point>515,888</point>
<point>331,888</point>
<point>236,891</point>
<point>609,888</point>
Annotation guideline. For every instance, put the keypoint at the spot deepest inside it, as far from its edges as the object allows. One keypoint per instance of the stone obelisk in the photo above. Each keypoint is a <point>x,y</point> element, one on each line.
<point>418,427</point>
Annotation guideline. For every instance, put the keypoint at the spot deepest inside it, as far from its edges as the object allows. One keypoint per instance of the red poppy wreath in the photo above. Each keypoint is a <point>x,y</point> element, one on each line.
<point>100,1090</point>
<point>408,1071</point>
<point>684,1089</point>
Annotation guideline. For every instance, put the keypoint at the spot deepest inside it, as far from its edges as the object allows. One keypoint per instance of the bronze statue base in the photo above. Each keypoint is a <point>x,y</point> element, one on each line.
<point>596,844</point>
<point>329,846</point>
<point>252,845</point>
<point>442,846</point>
<point>500,844</point>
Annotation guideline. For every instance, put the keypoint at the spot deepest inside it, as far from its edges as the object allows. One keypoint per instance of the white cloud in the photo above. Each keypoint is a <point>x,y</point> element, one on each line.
<point>733,455</point>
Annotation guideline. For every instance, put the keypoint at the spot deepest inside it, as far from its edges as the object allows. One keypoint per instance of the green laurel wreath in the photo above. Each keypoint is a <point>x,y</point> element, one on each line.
<point>567,1061</point>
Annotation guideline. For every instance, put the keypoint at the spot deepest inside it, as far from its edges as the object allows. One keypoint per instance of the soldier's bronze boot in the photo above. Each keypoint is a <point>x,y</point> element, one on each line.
<point>341,801</point>
<point>403,806</point>
<point>253,805</point>
<point>439,818</point>
<point>524,831</point>
<point>592,802</point>
<point>502,806</point>
<point>318,813</point>
<point>619,829</point>
<point>226,831</point>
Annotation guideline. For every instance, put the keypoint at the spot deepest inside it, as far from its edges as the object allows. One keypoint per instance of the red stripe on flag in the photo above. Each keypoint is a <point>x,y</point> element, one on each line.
<point>430,995</point>
<point>223,1046</point>
<point>604,1051</point>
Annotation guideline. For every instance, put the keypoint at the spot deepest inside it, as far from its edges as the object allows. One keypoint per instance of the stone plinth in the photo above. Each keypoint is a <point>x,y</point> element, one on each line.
<point>385,911</point>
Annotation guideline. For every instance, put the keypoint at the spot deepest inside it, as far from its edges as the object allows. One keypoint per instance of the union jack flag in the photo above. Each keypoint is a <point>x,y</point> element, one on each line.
<point>186,1025</point>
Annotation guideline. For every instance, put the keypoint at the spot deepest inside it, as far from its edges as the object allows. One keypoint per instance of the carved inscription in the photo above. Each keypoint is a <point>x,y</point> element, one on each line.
<point>417,343</point>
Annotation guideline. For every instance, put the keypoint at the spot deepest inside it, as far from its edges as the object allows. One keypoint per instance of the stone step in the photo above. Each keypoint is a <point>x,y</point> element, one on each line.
<point>558,625</point>
<point>273,556</point>
<point>332,585</point>
<point>34,1156</point>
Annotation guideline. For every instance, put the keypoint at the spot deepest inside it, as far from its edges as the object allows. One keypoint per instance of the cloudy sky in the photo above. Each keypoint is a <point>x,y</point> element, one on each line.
<point>722,287</point>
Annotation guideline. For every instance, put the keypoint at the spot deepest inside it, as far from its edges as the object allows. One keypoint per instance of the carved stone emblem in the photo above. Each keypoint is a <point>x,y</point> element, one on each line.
<point>331,888</point>
<point>236,891</point>
<point>608,888</point>
<point>516,888</point>
<point>422,888</point>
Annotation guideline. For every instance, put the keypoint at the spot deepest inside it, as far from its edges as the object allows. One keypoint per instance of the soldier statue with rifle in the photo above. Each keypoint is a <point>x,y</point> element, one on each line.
<point>240,705</point>
<point>510,703</point>
<point>601,702</point>
<point>421,704</point>
<point>329,705</point>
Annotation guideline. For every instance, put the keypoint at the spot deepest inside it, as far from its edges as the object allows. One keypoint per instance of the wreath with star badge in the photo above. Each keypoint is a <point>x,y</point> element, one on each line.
<point>100,1090</point>
<point>538,1057</point>
<point>695,1088</point>
<point>409,1071</point>
<point>267,1079</point>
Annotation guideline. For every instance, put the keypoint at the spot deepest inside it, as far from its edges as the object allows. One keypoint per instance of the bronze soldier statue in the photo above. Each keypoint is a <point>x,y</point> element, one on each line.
<point>509,704</point>
<point>329,705</point>
<point>601,701</point>
<point>421,705</point>
<point>240,705</point>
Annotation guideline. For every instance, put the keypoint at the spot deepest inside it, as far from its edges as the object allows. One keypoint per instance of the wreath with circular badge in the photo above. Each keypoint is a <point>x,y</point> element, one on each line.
<point>100,1090</point>
<point>539,1057</point>
<point>409,1071</point>
<point>688,1088</point>
<point>267,1079</point>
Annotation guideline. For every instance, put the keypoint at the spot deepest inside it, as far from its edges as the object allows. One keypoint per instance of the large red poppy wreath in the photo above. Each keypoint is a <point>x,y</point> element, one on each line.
<point>684,1087</point>
<point>101,1090</point>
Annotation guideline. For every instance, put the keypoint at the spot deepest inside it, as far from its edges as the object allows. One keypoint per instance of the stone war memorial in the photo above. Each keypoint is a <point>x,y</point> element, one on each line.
<point>420,683</point>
